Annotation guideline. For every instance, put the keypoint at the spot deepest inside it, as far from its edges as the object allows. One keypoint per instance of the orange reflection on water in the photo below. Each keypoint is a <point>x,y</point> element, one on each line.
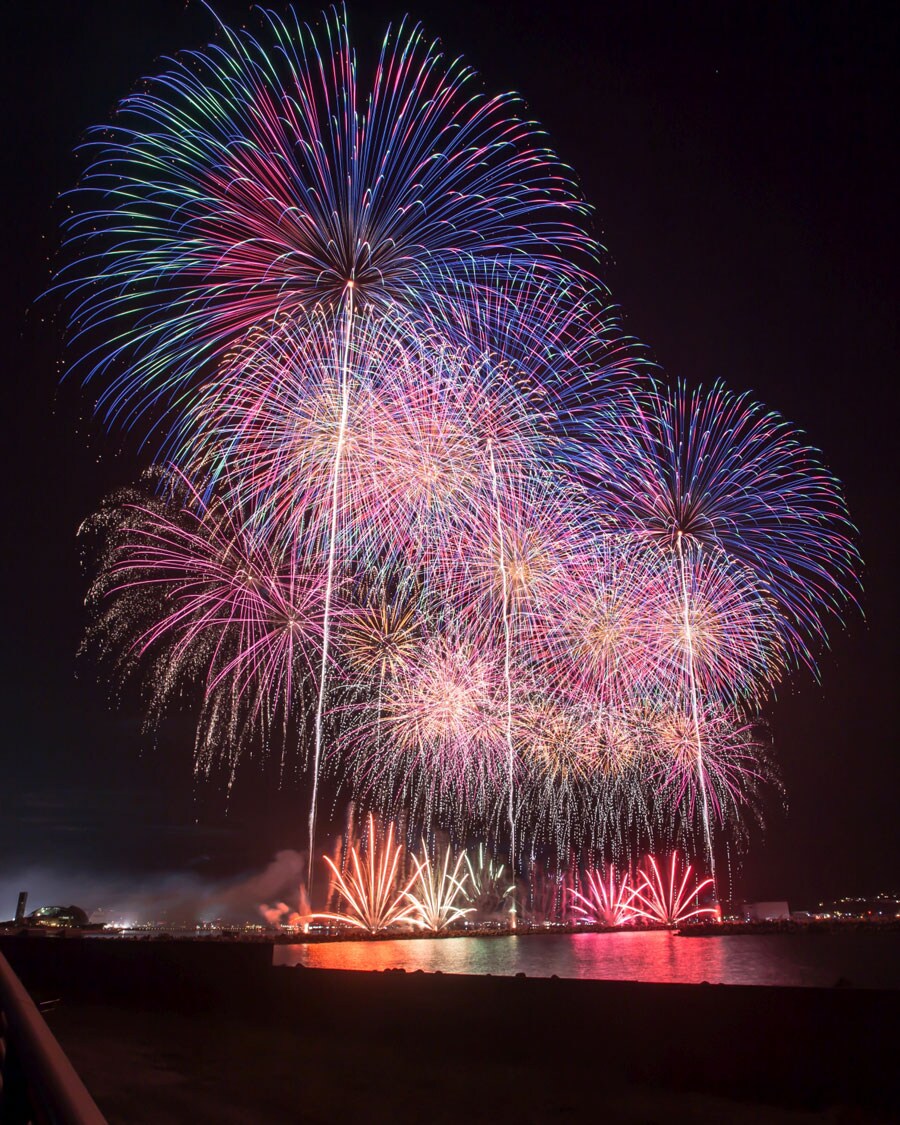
<point>868,960</point>
<point>656,956</point>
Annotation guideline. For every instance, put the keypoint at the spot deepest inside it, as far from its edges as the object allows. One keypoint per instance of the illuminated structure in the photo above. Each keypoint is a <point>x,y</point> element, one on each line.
<point>62,917</point>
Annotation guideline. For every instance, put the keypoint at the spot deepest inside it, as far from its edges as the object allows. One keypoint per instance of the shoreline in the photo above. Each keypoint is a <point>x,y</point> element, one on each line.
<point>165,1005</point>
<point>237,936</point>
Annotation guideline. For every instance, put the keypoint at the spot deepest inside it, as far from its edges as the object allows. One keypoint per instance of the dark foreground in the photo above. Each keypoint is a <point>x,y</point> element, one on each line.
<point>178,1031</point>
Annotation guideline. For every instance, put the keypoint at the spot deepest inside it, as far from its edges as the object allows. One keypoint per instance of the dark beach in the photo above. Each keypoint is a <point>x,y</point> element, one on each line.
<point>172,1031</point>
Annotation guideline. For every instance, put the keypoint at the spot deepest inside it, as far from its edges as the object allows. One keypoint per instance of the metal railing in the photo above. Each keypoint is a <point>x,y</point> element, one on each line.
<point>38,1084</point>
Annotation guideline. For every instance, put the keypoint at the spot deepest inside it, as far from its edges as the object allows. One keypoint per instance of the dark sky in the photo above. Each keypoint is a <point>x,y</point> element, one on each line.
<point>742,159</point>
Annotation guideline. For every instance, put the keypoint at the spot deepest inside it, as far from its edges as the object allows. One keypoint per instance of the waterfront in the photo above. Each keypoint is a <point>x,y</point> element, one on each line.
<point>169,1030</point>
<point>861,959</point>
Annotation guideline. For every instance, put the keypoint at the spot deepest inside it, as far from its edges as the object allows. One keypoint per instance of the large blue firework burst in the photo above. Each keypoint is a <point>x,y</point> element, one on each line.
<point>261,175</point>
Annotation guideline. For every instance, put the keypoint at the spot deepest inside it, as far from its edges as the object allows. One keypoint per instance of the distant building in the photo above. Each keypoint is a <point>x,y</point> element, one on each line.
<point>766,912</point>
<point>68,916</point>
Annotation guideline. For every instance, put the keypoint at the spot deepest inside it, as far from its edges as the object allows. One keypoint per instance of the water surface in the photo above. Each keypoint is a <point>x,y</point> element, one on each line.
<point>864,959</point>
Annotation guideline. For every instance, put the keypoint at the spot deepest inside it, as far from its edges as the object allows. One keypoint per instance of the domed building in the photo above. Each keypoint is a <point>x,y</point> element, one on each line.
<point>64,916</point>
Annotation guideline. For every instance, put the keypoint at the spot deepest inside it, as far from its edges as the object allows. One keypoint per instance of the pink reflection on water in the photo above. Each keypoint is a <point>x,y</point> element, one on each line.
<point>656,956</point>
<point>868,960</point>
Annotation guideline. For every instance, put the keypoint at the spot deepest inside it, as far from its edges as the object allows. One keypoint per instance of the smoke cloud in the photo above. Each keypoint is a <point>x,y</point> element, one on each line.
<point>171,898</point>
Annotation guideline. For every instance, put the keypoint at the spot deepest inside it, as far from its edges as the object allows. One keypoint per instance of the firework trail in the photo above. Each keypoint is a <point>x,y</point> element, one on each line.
<point>436,890</point>
<point>695,711</point>
<point>507,675</point>
<point>607,900</point>
<point>369,887</point>
<point>329,577</point>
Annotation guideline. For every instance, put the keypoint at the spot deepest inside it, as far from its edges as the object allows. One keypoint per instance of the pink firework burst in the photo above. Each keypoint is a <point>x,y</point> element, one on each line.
<point>187,595</point>
<point>602,611</point>
<point>736,762</point>
<point>436,745</point>
<point>657,898</point>
<point>386,429</point>
<point>722,622</point>
<point>605,900</point>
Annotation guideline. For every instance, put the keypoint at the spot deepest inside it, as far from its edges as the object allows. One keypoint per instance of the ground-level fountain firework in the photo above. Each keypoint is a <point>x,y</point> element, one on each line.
<point>380,887</point>
<point>423,520</point>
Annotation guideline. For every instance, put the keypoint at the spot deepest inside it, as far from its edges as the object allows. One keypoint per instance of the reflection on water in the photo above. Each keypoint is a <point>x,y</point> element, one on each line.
<point>867,960</point>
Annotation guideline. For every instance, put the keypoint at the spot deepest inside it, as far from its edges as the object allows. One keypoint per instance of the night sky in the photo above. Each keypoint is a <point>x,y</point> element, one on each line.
<point>742,160</point>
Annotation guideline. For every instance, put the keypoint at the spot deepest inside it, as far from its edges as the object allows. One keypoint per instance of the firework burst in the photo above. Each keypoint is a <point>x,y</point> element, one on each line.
<point>414,468</point>
<point>184,593</point>
<point>714,469</point>
<point>656,898</point>
<point>736,763</point>
<point>437,747</point>
<point>599,634</point>
<point>411,430</point>
<point>380,633</point>
<point>256,178</point>
<point>751,525</point>
<point>488,888</point>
